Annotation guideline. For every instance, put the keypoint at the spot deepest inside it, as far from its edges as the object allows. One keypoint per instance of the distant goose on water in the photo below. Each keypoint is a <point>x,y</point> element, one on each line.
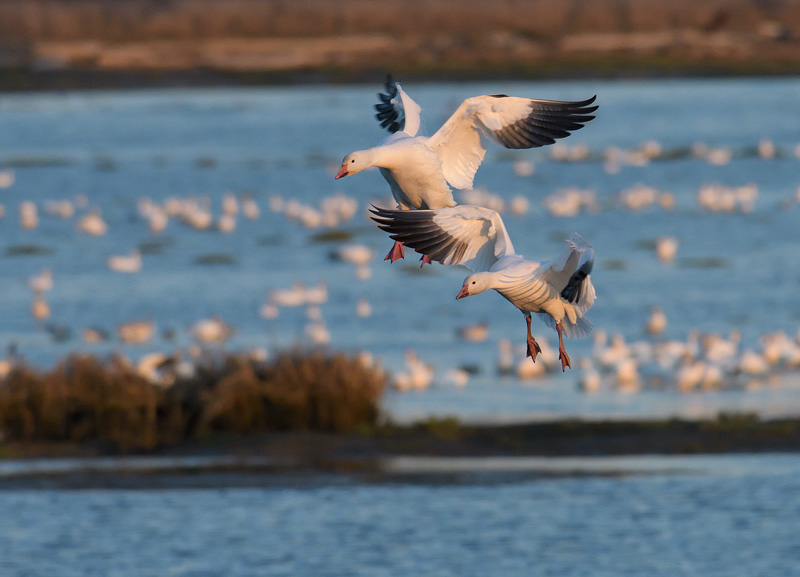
<point>421,169</point>
<point>40,309</point>
<point>42,282</point>
<point>128,263</point>
<point>136,332</point>
<point>559,291</point>
<point>92,223</point>
<point>213,330</point>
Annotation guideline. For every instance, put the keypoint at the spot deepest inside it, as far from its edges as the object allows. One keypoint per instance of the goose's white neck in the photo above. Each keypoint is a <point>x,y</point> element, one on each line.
<point>387,156</point>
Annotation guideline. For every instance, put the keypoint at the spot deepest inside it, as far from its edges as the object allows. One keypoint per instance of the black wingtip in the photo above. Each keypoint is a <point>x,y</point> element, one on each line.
<point>585,105</point>
<point>381,216</point>
<point>378,210</point>
<point>391,89</point>
<point>574,289</point>
<point>388,115</point>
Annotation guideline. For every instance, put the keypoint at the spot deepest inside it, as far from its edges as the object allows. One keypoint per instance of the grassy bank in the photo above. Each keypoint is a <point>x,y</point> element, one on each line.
<point>61,44</point>
<point>309,407</point>
<point>109,406</point>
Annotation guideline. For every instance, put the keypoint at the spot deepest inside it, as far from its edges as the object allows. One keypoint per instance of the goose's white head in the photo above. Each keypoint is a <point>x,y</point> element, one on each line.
<point>475,284</point>
<point>354,163</point>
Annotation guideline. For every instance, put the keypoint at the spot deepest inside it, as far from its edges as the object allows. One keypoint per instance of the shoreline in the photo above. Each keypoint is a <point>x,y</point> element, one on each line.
<point>421,452</point>
<point>21,81</point>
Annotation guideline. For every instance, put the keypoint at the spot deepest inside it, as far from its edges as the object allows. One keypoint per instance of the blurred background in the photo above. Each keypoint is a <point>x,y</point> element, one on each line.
<point>185,284</point>
<point>129,41</point>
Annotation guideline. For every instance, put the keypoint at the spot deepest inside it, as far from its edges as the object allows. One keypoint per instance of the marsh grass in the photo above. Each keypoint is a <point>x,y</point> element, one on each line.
<point>137,20</point>
<point>88,400</point>
<point>296,391</point>
<point>68,44</point>
<point>82,399</point>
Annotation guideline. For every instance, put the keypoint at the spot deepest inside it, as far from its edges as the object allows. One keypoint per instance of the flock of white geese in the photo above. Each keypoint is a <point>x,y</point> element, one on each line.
<point>700,361</point>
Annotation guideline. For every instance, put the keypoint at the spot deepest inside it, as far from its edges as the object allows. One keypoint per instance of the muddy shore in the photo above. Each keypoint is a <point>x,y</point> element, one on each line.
<point>303,458</point>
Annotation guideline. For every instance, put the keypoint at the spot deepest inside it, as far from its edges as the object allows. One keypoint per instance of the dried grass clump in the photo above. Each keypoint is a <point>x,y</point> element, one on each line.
<point>310,392</point>
<point>84,399</point>
<point>81,399</point>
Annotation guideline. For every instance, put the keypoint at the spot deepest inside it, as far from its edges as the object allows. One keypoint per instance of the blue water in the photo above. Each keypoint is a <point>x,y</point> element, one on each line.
<point>692,516</point>
<point>703,516</point>
<point>733,271</point>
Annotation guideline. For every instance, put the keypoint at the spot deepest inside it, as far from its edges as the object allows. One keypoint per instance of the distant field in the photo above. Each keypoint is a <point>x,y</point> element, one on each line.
<point>257,41</point>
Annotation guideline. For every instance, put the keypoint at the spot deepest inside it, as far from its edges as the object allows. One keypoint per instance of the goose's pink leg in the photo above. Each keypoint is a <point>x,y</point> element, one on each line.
<point>396,252</point>
<point>425,260</point>
<point>533,347</point>
<point>562,352</point>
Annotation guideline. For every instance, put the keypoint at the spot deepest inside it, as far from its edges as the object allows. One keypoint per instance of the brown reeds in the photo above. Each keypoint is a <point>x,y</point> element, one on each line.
<point>296,391</point>
<point>80,400</point>
<point>87,400</point>
<point>404,35</point>
<point>147,20</point>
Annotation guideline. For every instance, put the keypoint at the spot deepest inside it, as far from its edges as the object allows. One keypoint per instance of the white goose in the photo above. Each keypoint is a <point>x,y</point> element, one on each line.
<point>559,291</point>
<point>42,282</point>
<point>421,169</point>
<point>128,263</point>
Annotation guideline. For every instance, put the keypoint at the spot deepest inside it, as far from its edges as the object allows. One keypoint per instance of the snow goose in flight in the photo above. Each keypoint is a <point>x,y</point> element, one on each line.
<point>559,291</point>
<point>420,170</point>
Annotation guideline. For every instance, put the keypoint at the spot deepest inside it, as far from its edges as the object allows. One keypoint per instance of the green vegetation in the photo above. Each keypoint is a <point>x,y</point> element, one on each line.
<point>86,400</point>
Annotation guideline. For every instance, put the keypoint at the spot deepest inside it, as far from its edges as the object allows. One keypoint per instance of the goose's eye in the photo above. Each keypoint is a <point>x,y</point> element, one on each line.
<point>353,161</point>
<point>473,282</point>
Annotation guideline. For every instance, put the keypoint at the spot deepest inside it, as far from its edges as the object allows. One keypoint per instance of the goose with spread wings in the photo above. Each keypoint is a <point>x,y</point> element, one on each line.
<point>560,291</point>
<point>421,169</point>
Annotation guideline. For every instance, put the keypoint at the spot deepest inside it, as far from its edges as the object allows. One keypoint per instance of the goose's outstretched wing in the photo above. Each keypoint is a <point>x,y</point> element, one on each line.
<point>397,111</point>
<point>471,236</point>
<point>569,273</point>
<point>510,121</point>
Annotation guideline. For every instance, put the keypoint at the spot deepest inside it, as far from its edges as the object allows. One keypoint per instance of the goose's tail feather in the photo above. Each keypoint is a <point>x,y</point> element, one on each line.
<point>580,328</point>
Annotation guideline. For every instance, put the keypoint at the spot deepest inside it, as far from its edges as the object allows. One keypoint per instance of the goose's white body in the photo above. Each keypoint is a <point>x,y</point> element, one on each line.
<point>535,287</point>
<point>559,290</point>
<point>421,170</point>
<point>413,171</point>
